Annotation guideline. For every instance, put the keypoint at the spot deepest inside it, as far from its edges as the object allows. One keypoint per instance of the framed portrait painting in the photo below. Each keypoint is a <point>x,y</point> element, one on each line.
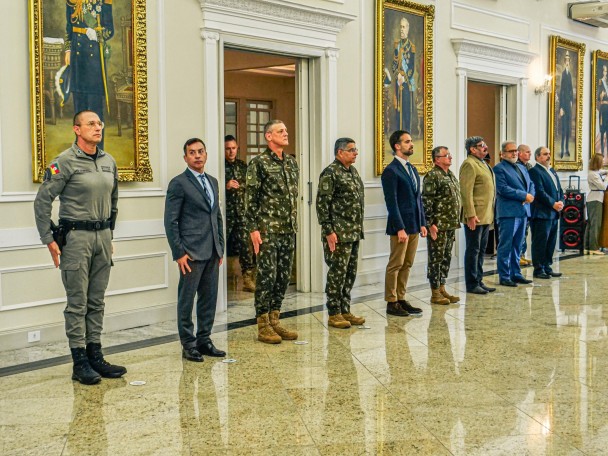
<point>404,79</point>
<point>90,55</point>
<point>566,104</point>
<point>599,104</point>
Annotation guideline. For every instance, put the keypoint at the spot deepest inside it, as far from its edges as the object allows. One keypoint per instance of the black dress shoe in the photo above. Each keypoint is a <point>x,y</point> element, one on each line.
<point>408,307</point>
<point>478,290</point>
<point>542,275</point>
<point>394,308</point>
<point>507,283</point>
<point>209,349</point>
<point>192,354</point>
<point>554,274</point>
<point>521,280</point>
<point>487,288</point>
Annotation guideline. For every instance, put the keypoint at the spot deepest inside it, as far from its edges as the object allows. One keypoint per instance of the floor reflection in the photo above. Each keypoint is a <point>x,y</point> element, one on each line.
<point>517,372</point>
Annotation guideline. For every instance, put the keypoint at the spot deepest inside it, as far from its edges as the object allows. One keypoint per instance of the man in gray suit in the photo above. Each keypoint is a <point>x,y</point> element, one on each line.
<point>194,227</point>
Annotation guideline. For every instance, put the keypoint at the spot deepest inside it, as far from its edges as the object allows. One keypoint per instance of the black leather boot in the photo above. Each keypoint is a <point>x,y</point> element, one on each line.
<point>98,363</point>
<point>82,368</point>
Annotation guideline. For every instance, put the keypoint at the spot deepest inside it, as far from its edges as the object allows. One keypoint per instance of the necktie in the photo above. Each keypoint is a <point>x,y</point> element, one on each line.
<point>203,179</point>
<point>412,175</point>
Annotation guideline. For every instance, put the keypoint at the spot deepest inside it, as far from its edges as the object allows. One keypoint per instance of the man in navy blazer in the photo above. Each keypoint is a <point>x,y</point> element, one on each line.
<point>402,194</point>
<point>514,193</point>
<point>547,205</point>
<point>194,227</point>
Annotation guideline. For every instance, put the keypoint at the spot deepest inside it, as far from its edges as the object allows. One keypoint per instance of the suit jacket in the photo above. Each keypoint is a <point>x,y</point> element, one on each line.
<point>192,226</point>
<point>511,191</point>
<point>403,199</point>
<point>477,188</point>
<point>546,193</point>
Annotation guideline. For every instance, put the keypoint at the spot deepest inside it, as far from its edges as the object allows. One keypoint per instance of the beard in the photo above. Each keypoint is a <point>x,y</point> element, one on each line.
<point>511,160</point>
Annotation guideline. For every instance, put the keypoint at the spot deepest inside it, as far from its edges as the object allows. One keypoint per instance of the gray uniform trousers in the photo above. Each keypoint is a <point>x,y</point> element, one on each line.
<point>85,266</point>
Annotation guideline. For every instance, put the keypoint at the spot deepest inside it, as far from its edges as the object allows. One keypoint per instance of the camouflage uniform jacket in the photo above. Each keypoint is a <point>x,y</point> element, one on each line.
<point>441,199</point>
<point>271,196</point>
<point>235,197</point>
<point>340,202</point>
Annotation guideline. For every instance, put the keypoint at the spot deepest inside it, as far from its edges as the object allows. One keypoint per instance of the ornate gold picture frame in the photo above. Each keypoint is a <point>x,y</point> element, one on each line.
<point>404,79</point>
<point>93,53</point>
<point>599,104</point>
<point>566,104</point>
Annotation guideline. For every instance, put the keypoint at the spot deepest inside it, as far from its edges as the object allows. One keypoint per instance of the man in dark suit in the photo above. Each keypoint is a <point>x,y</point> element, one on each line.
<point>193,223</point>
<point>514,193</point>
<point>548,203</point>
<point>402,194</point>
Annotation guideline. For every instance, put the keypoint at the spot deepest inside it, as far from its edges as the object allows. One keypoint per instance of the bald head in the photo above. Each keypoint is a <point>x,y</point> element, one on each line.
<point>524,153</point>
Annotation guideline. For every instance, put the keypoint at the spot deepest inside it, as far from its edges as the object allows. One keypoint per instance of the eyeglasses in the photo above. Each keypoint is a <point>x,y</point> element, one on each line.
<point>512,151</point>
<point>443,156</point>
<point>352,150</point>
<point>93,124</point>
<point>482,145</point>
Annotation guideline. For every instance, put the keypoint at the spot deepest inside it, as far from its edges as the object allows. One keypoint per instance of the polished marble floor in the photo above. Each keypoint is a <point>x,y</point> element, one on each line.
<point>518,372</point>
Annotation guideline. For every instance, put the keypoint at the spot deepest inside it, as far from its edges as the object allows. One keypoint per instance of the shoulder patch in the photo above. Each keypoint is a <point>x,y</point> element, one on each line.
<point>326,185</point>
<point>54,168</point>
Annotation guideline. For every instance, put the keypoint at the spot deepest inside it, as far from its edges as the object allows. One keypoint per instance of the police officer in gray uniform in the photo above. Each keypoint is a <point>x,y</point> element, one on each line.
<point>340,205</point>
<point>86,180</point>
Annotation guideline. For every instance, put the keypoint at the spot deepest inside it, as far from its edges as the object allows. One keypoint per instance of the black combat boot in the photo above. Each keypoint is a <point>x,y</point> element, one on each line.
<point>104,368</point>
<point>82,368</point>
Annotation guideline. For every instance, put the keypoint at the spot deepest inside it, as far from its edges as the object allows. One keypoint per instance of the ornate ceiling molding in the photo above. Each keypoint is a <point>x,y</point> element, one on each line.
<point>476,49</point>
<point>283,11</point>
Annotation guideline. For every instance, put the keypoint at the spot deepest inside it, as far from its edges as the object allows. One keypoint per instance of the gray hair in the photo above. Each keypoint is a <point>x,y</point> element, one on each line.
<point>341,143</point>
<point>271,124</point>
<point>470,142</point>
<point>436,151</point>
<point>503,146</point>
<point>538,151</point>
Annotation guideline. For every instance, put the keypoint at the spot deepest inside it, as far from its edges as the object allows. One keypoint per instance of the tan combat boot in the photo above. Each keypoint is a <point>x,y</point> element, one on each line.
<point>353,319</point>
<point>283,333</point>
<point>338,321</point>
<point>438,298</point>
<point>265,332</point>
<point>248,283</point>
<point>445,294</point>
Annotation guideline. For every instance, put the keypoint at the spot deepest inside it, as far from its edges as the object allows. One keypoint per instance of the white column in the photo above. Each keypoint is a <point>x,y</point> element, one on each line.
<point>522,109</point>
<point>461,155</point>
<point>213,130</point>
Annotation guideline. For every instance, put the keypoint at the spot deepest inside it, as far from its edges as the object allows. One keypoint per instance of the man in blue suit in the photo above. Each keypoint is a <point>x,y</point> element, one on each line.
<point>548,203</point>
<point>195,231</point>
<point>402,194</point>
<point>514,193</point>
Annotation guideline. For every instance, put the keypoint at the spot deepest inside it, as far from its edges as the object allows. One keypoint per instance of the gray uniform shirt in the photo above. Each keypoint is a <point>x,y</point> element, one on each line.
<point>87,189</point>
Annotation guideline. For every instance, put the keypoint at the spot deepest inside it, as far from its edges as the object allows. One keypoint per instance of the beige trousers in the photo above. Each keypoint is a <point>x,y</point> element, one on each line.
<point>398,267</point>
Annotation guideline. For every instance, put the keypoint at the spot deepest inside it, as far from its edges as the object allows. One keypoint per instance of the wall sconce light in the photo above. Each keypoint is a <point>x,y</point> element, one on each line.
<point>546,87</point>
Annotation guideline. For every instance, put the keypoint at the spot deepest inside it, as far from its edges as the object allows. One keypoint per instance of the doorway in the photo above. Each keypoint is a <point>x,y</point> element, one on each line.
<point>258,87</point>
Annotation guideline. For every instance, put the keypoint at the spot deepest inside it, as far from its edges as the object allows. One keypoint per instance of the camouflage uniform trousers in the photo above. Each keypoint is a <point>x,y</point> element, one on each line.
<point>274,262</point>
<point>440,256</point>
<point>342,264</point>
<point>239,241</point>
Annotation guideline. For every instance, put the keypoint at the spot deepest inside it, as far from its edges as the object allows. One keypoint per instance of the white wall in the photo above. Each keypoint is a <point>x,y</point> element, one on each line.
<point>144,282</point>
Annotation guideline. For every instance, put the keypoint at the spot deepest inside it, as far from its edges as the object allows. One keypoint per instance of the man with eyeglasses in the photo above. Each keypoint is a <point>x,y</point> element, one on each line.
<point>85,178</point>
<point>514,193</point>
<point>477,189</point>
<point>405,222</point>
<point>340,205</point>
<point>442,205</point>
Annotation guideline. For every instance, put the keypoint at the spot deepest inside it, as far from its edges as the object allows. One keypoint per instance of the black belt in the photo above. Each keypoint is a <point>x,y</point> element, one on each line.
<point>88,225</point>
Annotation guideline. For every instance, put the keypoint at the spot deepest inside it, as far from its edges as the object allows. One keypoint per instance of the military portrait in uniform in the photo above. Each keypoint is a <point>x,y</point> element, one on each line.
<point>599,104</point>
<point>566,104</point>
<point>404,78</point>
<point>90,55</point>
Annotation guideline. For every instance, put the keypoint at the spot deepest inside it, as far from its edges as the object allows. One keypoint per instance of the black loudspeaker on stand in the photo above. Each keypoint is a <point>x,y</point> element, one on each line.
<point>572,218</point>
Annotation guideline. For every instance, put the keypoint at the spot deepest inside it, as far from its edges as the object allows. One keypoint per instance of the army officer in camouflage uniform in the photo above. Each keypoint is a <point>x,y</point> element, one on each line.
<point>271,217</point>
<point>340,212</point>
<point>442,206</point>
<point>236,231</point>
<point>85,178</point>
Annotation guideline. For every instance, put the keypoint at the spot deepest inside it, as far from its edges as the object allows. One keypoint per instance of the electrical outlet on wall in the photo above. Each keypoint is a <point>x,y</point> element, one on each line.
<point>33,336</point>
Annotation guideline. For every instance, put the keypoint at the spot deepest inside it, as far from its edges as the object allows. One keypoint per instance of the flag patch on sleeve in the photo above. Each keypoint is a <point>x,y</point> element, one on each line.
<point>54,168</point>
